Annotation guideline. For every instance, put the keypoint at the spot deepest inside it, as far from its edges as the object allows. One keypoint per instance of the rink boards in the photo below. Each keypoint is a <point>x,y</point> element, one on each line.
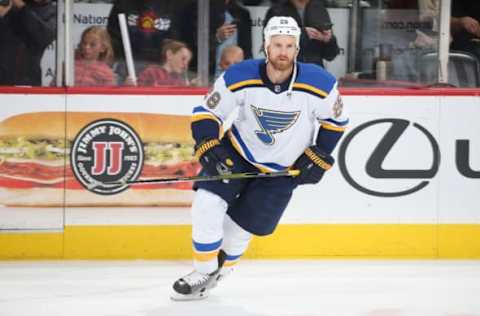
<point>405,185</point>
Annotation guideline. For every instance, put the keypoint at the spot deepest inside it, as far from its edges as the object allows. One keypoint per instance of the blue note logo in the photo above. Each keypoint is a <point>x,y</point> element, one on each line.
<point>273,122</point>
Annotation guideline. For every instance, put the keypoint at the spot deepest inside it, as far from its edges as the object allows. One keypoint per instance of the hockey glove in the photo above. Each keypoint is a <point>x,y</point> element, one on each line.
<point>213,157</point>
<point>312,164</point>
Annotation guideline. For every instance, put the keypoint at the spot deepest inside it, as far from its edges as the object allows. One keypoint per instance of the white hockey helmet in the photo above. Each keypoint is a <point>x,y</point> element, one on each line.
<point>281,25</point>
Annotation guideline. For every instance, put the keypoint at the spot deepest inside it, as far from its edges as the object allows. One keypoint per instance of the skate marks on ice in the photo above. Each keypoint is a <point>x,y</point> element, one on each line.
<point>201,308</point>
<point>255,288</point>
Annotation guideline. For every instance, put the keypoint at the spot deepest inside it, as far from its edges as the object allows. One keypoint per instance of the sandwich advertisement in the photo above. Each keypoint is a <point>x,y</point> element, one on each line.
<point>83,151</point>
<point>52,158</point>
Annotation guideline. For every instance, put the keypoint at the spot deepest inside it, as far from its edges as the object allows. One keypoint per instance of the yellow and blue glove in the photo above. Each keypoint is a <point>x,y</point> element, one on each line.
<point>213,157</point>
<point>312,164</point>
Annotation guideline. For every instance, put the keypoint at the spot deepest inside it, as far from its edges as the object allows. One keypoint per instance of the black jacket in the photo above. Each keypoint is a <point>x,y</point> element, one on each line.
<point>316,16</point>
<point>461,8</point>
<point>244,27</point>
<point>149,23</point>
<point>217,19</point>
<point>24,35</point>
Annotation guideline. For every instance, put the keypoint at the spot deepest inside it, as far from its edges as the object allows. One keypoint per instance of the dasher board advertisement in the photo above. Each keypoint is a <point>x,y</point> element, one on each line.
<point>403,159</point>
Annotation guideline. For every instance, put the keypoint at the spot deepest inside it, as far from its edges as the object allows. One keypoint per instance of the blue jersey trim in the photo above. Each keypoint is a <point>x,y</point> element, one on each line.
<point>244,71</point>
<point>315,76</point>
<point>198,110</point>
<point>337,122</point>
<point>249,155</point>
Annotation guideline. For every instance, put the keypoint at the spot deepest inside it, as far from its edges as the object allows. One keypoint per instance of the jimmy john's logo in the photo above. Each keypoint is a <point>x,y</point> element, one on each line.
<point>104,152</point>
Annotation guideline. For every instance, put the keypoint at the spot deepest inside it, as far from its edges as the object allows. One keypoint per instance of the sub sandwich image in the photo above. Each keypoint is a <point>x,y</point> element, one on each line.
<point>36,158</point>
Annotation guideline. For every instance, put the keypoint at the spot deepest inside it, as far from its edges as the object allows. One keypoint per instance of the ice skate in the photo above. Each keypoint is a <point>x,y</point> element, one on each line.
<point>193,286</point>
<point>196,285</point>
<point>221,275</point>
<point>222,272</point>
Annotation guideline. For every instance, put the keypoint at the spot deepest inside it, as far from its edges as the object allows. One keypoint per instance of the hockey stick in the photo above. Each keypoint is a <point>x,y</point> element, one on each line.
<point>232,176</point>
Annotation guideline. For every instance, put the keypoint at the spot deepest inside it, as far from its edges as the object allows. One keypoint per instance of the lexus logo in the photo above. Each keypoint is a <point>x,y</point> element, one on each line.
<point>374,163</point>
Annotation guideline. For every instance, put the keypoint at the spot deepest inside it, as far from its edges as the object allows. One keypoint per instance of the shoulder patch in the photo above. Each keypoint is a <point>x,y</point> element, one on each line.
<point>338,107</point>
<point>213,100</point>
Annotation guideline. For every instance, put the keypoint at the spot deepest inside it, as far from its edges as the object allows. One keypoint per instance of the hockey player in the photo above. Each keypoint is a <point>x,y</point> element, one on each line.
<point>290,115</point>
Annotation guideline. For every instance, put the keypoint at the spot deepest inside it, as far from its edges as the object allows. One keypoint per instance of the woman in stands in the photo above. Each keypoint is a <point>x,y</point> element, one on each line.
<point>93,59</point>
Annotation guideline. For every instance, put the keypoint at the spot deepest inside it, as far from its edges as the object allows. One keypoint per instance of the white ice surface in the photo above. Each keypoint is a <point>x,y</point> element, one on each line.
<point>256,288</point>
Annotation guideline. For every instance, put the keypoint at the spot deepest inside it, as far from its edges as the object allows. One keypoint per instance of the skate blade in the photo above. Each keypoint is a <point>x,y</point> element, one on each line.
<point>175,296</point>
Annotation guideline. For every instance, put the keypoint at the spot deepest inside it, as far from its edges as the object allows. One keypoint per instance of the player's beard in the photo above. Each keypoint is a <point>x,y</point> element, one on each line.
<point>281,63</point>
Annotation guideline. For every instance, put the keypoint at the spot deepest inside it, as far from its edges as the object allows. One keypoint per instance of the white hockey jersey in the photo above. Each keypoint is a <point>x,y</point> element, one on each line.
<point>273,128</point>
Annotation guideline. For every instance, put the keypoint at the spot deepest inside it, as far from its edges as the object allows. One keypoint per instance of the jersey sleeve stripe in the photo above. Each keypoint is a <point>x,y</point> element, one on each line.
<point>331,127</point>
<point>201,109</point>
<point>310,89</point>
<point>338,123</point>
<point>199,117</point>
<point>200,113</point>
<point>246,83</point>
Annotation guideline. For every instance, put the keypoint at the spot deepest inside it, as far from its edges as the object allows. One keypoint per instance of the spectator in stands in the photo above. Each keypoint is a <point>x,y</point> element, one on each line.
<point>26,29</point>
<point>429,10</point>
<point>317,42</point>
<point>94,58</point>
<point>149,22</point>
<point>174,59</point>
<point>465,26</point>
<point>230,55</point>
<point>236,28</point>
<point>427,38</point>
<point>230,24</point>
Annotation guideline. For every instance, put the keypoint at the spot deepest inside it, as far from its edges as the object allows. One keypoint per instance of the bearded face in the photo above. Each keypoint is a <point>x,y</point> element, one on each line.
<point>282,52</point>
